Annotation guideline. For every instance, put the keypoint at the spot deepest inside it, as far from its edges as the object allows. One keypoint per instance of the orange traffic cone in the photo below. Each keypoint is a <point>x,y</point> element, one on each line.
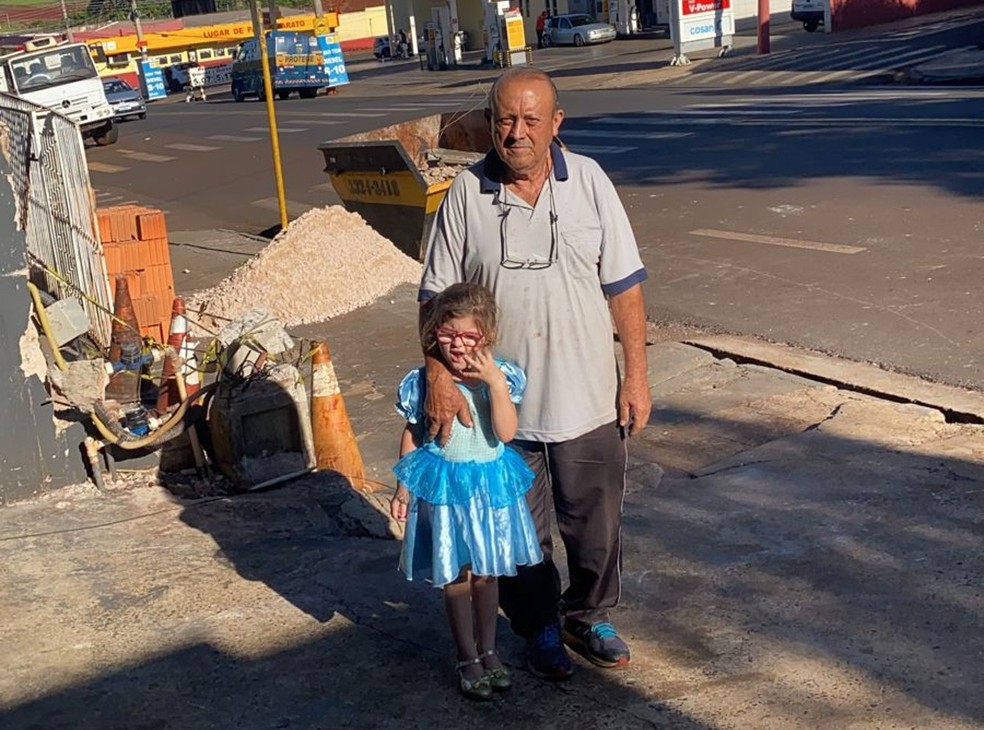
<point>167,392</point>
<point>335,447</point>
<point>189,367</point>
<point>125,348</point>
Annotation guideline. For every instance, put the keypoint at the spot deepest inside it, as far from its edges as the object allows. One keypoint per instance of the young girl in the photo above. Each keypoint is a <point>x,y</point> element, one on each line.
<point>466,516</point>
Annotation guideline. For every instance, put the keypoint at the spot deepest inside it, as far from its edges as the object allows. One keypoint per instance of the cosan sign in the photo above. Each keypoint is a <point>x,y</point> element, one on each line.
<point>700,24</point>
<point>702,19</point>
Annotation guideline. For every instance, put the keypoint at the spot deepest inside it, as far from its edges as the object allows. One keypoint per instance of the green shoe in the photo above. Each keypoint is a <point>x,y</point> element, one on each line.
<point>499,678</point>
<point>474,689</point>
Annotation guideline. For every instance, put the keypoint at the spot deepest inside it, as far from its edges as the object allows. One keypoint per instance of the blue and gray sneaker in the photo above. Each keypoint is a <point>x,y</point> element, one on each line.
<point>598,643</point>
<point>546,656</point>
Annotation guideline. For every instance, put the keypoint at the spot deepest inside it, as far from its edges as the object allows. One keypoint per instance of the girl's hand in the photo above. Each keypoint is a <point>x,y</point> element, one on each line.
<point>481,365</point>
<point>399,504</point>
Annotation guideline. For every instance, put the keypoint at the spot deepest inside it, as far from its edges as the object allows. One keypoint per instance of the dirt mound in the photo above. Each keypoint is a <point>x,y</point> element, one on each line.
<point>325,263</point>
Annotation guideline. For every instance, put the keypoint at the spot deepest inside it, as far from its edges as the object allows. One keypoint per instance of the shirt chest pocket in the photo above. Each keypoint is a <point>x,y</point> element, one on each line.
<point>580,251</point>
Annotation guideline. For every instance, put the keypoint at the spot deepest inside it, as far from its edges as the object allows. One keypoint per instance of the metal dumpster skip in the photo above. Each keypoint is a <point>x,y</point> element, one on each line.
<point>395,177</point>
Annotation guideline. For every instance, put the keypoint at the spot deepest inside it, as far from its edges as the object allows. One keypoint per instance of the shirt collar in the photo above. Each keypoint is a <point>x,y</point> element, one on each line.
<point>491,178</point>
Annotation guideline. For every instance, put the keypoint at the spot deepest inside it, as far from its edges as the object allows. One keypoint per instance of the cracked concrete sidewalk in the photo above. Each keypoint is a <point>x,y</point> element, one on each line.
<point>796,555</point>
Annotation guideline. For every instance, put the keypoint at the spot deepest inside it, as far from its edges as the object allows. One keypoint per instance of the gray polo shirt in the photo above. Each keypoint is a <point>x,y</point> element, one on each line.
<point>554,320</point>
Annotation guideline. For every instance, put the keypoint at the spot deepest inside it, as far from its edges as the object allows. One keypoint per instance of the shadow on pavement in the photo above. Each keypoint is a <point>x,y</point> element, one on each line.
<point>381,658</point>
<point>813,580</point>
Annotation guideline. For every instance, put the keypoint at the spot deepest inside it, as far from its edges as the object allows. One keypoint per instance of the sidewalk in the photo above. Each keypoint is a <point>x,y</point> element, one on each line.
<point>960,66</point>
<point>796,555</point>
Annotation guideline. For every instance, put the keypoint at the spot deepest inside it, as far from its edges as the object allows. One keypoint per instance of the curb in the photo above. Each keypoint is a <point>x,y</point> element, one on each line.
<point>959,66</point>
<point>957,404</point>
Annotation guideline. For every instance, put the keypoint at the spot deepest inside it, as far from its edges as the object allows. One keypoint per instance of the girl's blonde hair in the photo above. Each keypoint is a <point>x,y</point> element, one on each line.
<point>461,300</point>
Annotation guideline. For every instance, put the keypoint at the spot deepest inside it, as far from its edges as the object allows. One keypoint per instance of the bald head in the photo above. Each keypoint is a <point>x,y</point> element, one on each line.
<point>522,76</point>
<point>524,119</point>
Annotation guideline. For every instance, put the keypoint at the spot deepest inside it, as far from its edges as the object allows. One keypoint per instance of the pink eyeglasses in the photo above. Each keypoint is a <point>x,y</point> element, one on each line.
<point>468,339</point>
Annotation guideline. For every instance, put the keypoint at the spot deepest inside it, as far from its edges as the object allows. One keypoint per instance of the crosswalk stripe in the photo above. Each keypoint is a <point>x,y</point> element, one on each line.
<point>191,147</point>
<point>777,241</point>
<point>841,60</point>
<point>780,78</point>
<point>804,68</point>
<point>144,156</point>
<point>393,109</point>
<point>322,121</point>
<point>781,118</point>
<point>622,134</point>
<point>591,149</point>
<point>823,99</point>
<point>869,60</point>
<point>895,58</point>
<point>741,77</point>
<point>233,138</point>
<point>355,114</point>
<point>437,102</point>
<point>105,167</point>
<point>876,68</point>
<point>281,130</point>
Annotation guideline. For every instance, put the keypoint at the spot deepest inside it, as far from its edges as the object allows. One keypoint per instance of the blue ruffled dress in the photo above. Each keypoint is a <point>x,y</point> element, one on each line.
<point>467,498</point>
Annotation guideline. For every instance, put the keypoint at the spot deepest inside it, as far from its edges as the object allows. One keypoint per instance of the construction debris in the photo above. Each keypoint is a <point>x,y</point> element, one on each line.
<point>325,263</point>
<point>441,164</point>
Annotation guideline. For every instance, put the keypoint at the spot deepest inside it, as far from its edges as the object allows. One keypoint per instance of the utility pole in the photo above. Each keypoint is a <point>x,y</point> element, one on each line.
<point>135,17</point>
<point>68,25</point>
<point>763,26</point>
<point>278,170</point>
<point>318,10</point>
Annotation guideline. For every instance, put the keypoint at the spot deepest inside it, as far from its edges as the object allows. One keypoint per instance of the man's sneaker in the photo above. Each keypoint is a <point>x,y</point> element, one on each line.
<point>546,656</point>
<point>598,643</point>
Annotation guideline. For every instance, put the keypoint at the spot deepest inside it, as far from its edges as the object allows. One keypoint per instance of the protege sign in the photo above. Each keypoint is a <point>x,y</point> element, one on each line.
<point>702,19</point>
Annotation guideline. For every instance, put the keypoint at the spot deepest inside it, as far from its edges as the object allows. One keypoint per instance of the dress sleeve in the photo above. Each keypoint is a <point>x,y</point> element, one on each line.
<point>410,396</point>
<point>515,379</point>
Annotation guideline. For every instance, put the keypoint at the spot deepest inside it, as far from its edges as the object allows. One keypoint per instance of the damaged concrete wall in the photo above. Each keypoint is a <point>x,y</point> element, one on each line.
<point>33,457</point>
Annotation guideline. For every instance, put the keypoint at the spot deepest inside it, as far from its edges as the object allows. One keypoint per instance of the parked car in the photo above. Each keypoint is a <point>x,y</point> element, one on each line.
<point>576,29</point>
<point>381,48</point>
<point>125,100</point>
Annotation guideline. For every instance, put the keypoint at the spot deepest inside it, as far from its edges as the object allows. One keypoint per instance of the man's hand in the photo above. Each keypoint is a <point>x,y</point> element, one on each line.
<point>634,402</point>
<point>444,402</point>
<point>634,405</point>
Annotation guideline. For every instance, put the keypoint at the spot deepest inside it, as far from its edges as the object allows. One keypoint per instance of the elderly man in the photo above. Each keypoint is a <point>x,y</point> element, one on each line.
<point>543,228</point>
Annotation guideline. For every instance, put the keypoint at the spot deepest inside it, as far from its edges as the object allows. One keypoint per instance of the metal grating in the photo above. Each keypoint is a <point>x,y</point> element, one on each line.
<point>55,207</point>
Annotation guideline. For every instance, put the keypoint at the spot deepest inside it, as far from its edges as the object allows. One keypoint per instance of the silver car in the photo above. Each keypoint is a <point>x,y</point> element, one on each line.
<point>576,29</point>
<point>125,100</point>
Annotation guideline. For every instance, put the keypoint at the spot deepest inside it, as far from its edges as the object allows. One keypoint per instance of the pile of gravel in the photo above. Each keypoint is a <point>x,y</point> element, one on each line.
<point>327,262</point>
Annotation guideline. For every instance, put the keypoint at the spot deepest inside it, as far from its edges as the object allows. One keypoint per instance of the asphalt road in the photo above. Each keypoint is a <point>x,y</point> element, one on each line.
<point>815,206</point>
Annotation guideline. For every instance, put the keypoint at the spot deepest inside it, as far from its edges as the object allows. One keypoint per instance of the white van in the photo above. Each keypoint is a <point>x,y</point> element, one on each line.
<point>809,12</point>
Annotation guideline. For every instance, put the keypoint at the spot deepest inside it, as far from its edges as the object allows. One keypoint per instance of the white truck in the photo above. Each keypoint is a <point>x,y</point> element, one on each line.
<point>61,76</point>
<point>809,12</point>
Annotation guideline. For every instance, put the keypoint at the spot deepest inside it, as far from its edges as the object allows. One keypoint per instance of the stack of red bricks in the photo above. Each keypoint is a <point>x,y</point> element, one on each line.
<point>134,243</point>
